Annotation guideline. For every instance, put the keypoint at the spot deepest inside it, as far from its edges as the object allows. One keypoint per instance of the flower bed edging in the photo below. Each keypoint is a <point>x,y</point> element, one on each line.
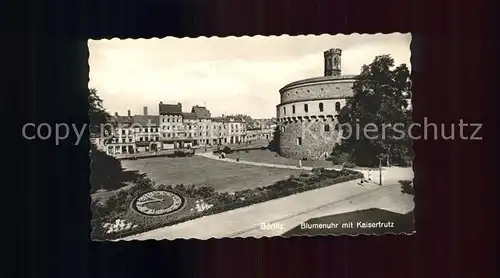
<point>220,202</point>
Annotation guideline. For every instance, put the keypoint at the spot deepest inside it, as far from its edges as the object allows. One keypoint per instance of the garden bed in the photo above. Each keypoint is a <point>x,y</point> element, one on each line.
<point>199,201</point>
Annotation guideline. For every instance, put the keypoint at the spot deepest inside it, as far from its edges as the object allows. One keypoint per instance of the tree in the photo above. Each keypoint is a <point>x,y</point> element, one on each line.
<point>274,145</point>
<point>97,114</point>
<point>106,171</point>
<point>381,100</point>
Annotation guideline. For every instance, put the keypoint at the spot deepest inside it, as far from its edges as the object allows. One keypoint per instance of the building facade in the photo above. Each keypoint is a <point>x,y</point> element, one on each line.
<point>175,129</point>
<point>133,134</point>
<point>308,109</point>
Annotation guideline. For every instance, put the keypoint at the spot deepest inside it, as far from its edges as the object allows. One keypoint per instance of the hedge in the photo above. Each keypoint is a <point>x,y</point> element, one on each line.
<point>119,207</point>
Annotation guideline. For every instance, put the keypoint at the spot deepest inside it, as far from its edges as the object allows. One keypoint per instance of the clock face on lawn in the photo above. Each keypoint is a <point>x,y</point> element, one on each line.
<point>158,202</point>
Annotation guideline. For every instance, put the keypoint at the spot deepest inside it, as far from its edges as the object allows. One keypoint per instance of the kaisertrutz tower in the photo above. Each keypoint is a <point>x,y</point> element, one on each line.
<point>332,62</point>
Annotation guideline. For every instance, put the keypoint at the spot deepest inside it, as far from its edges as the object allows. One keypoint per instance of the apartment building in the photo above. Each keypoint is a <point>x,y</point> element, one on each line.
<point>175,129</point>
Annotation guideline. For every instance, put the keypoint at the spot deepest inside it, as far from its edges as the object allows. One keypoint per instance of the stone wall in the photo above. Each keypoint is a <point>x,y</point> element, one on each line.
<point>315,141</point>
<point>318,90</point>
<point>313,108</point>
<point>310,126</point>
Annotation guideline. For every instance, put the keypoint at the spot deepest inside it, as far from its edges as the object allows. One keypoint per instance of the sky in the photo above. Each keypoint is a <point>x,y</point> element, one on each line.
<point>232,75</point>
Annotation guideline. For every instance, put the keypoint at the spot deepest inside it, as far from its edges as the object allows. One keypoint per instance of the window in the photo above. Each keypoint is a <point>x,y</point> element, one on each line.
<point>337,106</point>
<point>293,109</point>
<point>327,128</point>
<point>320,107</point>
<point>284,110</point>
<point>306,108</point>
<point>299,141</point>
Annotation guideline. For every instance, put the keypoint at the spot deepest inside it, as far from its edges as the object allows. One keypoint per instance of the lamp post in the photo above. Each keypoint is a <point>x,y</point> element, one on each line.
<point>380,157</point>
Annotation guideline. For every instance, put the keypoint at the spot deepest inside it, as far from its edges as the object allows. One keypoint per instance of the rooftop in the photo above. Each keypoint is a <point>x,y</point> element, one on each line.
<point>308,81</point>
<point>170,109</point>
<point>142,120</point>
<point>201,112</point>
<point>189,116</point>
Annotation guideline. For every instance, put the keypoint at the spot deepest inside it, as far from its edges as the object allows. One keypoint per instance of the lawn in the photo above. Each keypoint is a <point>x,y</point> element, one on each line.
<point>200,171</point>
<point>267,156</point>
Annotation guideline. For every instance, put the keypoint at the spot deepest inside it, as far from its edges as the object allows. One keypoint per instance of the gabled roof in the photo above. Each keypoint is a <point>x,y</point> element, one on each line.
<point>170,109</point>
<point>201,112</point>
<point>141,120</point>
<point>218,119</point>
<point>144,120</point>
<point>189,116</point>
<point>122,120</point>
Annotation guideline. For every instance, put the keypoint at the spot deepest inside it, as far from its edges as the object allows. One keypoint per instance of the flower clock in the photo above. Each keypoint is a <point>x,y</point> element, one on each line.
<point>158,202</point>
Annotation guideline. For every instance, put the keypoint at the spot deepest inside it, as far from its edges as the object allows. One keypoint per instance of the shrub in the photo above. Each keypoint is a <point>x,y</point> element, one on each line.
<point>107,172</point>
<point>318,171</point>
<point>339,158</point>
<point>407,187</point>
<point>226,149</point>
<point>349,165</point>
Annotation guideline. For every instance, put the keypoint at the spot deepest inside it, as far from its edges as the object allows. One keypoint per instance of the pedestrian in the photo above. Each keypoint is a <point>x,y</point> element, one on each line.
<point>362,181</point>
<point>300,163</point>
<point>370,176</point>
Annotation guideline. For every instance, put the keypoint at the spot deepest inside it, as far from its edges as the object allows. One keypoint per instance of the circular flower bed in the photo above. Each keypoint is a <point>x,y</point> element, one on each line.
<point>200,201</point>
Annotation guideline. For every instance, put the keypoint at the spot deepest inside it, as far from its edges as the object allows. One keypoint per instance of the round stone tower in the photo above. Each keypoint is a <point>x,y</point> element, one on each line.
<point>307,110</point>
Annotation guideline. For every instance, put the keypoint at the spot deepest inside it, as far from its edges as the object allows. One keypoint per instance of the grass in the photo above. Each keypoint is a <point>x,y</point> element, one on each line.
<point>267,156</point>
<point>201,171</point>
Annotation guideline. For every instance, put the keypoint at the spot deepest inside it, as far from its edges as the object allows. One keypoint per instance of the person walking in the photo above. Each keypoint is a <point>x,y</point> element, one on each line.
<point>300,163</point>
<point>370,176</point>
<point>362,181</point>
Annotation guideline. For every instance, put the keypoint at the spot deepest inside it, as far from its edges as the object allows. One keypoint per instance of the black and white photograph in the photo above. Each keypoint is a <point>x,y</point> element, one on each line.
<point>250,137</point>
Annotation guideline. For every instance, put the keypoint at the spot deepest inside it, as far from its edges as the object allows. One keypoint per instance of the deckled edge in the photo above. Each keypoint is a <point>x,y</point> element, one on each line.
<point>411,46</point>
<point>242,36</point>
<point>89,152</point>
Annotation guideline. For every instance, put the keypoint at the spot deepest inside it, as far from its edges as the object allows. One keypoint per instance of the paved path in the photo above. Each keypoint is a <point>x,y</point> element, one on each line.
<point>390,173</point>
<point>385,197</point>
<point>292,210</point>
<point>289,211</point>
<point>212,156</point>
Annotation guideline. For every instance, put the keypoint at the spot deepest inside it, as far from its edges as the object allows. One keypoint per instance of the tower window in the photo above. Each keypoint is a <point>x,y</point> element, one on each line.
<point>327,128</point>
<point>293,109</point>
<point>320,107</point>
<point>284,110</point>
<point>299,141</point>
<point>306,108</point>
<point>337,106</point>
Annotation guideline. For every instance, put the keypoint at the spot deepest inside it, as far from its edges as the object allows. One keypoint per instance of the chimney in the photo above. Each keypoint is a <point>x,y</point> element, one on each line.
<point>145,110</point>
<point>128,113</point>
<point>116,114</point>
